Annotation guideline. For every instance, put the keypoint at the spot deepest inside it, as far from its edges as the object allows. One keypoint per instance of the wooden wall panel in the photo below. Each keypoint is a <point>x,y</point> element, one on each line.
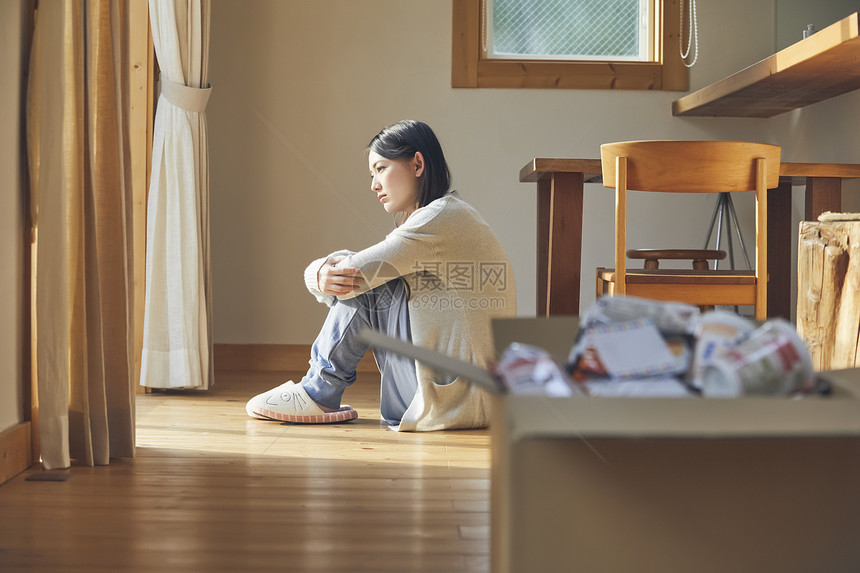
<point>272,357</point>
<point>15,451</point>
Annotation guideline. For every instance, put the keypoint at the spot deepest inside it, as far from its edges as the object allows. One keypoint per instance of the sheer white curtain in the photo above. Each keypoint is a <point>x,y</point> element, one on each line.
<point>177,331</point>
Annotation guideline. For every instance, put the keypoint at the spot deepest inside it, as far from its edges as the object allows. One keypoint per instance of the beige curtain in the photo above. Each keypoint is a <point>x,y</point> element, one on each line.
<point>77,145</point>
<point>177,328</point>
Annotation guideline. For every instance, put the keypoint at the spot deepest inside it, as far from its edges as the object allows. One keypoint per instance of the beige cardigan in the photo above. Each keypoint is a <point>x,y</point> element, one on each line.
<point>459,278</point>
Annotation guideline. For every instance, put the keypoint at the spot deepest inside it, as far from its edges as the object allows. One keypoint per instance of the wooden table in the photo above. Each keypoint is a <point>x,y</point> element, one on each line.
<point>559,225</point>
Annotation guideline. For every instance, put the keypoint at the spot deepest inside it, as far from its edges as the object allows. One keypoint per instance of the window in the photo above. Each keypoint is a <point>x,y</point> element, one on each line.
<point>618,30</point>
<point>578,44</point>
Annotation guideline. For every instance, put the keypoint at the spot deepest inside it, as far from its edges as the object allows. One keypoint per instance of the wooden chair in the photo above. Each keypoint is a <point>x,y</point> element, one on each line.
<point>698,258</point>
<point>690,167</point>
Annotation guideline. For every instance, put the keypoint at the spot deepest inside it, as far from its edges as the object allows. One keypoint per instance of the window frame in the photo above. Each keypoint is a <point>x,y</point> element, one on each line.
<point>471,69</point>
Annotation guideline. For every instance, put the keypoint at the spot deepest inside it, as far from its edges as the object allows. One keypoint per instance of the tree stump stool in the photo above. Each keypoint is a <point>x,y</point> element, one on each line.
<point>828,293</point>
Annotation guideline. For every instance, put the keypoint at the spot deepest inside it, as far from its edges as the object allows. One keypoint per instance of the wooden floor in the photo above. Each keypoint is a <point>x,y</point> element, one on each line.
<point>214,490</point>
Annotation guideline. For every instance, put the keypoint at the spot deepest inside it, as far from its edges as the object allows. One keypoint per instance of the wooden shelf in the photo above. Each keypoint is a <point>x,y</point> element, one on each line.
<point>822,66</point>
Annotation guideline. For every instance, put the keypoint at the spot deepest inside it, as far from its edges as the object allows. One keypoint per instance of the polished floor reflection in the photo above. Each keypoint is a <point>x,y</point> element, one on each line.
<point>213,490</point>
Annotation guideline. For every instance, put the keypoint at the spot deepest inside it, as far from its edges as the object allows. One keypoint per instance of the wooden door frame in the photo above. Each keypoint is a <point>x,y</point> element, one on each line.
<point>19,444</point>
<point>142,105</point>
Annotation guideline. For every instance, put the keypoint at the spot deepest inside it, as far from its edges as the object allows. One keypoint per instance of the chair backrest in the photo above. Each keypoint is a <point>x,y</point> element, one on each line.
<point>690,166</point>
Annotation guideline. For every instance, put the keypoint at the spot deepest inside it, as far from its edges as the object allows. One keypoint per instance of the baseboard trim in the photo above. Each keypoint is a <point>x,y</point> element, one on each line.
<point>15,453</point>
<point>272,357</point>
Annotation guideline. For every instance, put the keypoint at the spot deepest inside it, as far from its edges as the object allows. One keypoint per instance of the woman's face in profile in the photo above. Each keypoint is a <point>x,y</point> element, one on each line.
<point>395,182</point>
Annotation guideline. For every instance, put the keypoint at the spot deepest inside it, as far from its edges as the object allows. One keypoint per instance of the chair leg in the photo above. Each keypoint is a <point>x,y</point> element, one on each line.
<point>702,265</point>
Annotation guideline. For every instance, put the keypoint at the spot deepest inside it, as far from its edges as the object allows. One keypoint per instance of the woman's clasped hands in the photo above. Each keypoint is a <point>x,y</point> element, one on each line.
<point>338,280</point>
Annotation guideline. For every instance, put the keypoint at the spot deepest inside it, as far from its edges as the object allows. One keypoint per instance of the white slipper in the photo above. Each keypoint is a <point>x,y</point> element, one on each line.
<point>289,402</point>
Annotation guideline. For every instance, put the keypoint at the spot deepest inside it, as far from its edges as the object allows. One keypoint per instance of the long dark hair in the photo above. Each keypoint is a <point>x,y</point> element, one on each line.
<point>401,141</point>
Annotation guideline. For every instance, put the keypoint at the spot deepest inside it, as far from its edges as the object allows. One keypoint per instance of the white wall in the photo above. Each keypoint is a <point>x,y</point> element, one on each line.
<point>11,230</point>
<point>793,16</point>
<point>301,86</point>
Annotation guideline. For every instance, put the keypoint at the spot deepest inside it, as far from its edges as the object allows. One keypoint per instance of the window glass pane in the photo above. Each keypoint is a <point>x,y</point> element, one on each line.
<point>568,28</point>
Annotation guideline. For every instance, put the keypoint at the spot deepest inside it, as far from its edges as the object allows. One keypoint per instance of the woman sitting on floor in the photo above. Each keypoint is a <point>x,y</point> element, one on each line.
<point>436,280</point>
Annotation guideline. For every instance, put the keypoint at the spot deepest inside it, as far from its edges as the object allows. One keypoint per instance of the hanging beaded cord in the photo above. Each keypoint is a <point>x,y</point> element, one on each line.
<point>692,34</point>
<point>484,25</point>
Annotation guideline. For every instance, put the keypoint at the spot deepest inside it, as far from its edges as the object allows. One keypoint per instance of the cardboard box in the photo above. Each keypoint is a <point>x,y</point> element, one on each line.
<point>661,484</point>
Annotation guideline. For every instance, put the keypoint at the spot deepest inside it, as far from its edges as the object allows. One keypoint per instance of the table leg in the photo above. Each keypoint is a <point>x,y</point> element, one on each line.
<point>559,244</point>
<point>543,210</point>
<point>779,251</point>
<point>822,194</point>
